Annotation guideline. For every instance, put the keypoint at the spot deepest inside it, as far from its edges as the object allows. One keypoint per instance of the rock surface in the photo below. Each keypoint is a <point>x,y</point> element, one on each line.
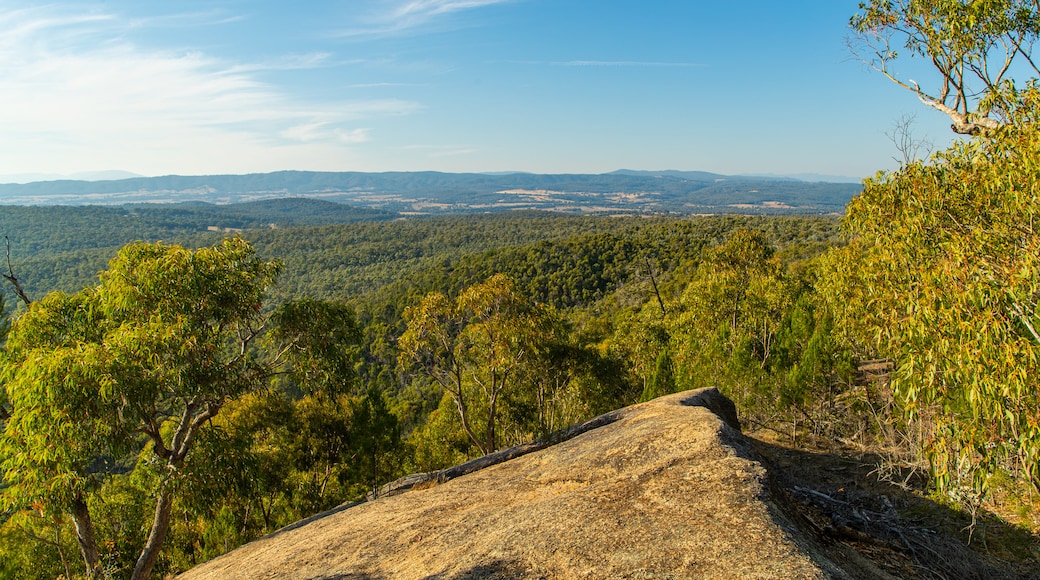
<point>665,489</point>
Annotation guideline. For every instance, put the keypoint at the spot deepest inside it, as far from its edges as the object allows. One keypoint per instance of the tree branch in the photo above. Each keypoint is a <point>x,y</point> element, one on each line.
<point>10,277</point>
<point>1020,312</point>
<point>185,446</point>
<point>963,123</point>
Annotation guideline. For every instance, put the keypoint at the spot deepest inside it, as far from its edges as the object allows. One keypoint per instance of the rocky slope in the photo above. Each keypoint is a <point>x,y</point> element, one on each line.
<point>665,489</point>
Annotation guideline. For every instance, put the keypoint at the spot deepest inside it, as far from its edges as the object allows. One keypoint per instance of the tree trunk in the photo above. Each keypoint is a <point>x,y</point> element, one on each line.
<point>160,525</point>
<point>85,537</point>
<point>57,544</point>
<point>489,431</point>
<point>657,292</point>
<point>460,404</point>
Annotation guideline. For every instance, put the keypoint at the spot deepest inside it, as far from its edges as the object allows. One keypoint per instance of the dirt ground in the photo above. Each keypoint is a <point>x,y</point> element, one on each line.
<point>844,499</point>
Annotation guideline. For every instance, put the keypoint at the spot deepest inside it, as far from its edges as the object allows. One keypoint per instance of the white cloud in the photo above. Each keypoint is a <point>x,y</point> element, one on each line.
<point>189,19</point>
<point>383,85</point>
<point>319,131</point>
<point>395,16</point>
<point>288,62</point>
<point>627,63</point>
<point>352,136</point>
<point>423,9</point>
<point>76,95</point>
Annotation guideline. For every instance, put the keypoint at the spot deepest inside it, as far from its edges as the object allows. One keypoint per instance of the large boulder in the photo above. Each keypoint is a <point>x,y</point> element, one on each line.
<point>664,489</point>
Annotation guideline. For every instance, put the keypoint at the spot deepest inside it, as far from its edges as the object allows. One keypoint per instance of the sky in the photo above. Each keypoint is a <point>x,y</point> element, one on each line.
<point>549,86</point>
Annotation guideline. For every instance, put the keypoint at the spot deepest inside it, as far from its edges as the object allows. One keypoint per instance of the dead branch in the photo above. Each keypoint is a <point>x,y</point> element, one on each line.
<point>10,277</point>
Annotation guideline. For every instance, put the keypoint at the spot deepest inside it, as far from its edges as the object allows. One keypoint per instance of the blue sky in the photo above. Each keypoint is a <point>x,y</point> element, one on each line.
<point>549,86</point>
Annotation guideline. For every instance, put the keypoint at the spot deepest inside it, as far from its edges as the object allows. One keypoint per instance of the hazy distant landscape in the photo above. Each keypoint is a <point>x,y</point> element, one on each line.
<point>420,193</point>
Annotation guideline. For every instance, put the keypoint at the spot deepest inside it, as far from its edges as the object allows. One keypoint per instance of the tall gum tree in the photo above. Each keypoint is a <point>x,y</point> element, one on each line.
<point>730,317</point>
<point>977,48</point>
<point>475,347</point>
<point>943,275</point>
<point>942,272</point>
<point>130,371</point>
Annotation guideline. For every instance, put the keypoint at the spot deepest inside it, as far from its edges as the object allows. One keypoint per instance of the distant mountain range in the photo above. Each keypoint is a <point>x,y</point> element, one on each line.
<point>410,193</point>
<point>84,175</point>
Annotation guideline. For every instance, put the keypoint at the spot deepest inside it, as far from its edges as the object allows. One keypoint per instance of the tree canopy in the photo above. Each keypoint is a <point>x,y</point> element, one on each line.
<point>127,373</point>
<point>981,50</point>
<point>943,274</point>
<point>475,347</point>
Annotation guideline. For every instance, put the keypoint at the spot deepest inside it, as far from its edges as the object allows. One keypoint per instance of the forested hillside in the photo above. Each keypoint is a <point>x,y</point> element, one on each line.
<point>63,248</point>
<point>411,345</point>
<point>394,346</point>
<point>46,230</point>
<point>328,431</point>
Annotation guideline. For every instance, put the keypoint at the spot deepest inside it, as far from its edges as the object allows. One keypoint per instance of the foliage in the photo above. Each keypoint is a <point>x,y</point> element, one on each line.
<point>440,441</point>
<point>731,312</point>
<point>748,323</point>
<point>663,380</point>
<point>341,418</point>
<point>943,275</point>
<point>477,347</point>
<point>319,338</point>
<point>126,375</point>
<point>5,327</point>
<point>976,47</point>
<point>640,338</point>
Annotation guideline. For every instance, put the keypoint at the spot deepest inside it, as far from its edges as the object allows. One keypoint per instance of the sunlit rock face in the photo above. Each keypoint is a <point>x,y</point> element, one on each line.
<point>664,489</point>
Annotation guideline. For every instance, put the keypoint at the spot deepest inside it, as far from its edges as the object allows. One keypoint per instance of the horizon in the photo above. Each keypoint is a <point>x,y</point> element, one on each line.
<point>225,87</point>
<point>119,175</point>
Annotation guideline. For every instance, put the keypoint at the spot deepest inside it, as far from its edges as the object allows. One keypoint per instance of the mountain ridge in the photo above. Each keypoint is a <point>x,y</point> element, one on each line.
<point>426,192</point>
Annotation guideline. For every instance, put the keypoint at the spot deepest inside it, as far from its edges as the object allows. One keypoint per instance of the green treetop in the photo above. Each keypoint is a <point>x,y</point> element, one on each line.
<point>124,375</point>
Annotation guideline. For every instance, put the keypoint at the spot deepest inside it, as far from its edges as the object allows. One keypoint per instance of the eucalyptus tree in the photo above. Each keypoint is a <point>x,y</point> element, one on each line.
<point>943,275</point>
<point>476,348</point>
<point>5,326</point>
<point>125,375</point>
<point>730,316</point>
<point>981,52</point>
<point>942,272</point>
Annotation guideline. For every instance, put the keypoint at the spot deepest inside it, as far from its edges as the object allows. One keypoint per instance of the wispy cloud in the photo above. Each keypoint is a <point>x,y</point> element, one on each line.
<point>382,85</point>
<point>437,151</point>
<point>627,63</point>
<point>396,16</point>
<point>187,19</point>
<point>423,9</point>
<point>74,88</point>
<point>288,62</point>
<point>319,131</point>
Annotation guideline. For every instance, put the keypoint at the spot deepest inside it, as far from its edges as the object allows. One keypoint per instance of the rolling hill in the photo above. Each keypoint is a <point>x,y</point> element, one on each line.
<point>410,193</point>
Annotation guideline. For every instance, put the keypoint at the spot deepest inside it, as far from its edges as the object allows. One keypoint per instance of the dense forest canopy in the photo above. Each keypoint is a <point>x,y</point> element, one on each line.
<point>352,417</point>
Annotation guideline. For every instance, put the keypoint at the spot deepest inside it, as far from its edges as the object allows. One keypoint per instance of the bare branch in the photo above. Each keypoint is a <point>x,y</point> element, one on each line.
<point>12,278</point>
<point>653,280</point>
<point>909,147</point>
<point>964,123</point>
